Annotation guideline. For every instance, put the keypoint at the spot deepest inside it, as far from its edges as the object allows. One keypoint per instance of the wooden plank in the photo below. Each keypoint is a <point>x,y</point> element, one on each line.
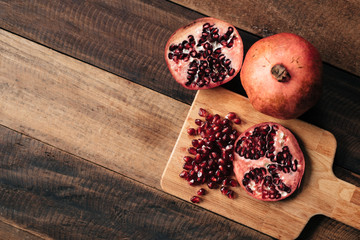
<point>110,35</point>
<point>61,196</point>
<point>321,192</point>
<point>124,37</point>
<point>332,28</point>
<point>86,111</point>
<point>14,232</point>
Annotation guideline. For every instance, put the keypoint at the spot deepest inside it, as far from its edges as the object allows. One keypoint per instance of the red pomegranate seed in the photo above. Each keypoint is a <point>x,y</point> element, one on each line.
<point>201,191</point>
<point>195,199</point>
<point>187,166</point>
<point>202,112</point>
<point>224,190</point>
<point>198,122</point>
<point>231,115</point>
<point>225,182</point>
<point>192,150</point>
<point>183,174</point>
<point>191,131</point>
<point>233,183</point>
<point>230,194</point>
<point>212,185</point>
<point>237,120</point>
<point>188,159</point>
<point>195,143</point>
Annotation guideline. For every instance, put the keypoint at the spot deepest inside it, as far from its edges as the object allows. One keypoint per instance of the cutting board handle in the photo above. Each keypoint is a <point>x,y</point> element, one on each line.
<point>347,204</point>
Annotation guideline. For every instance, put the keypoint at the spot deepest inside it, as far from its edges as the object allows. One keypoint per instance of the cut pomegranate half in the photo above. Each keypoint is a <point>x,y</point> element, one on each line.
<point>204,54</point>
<point>268,161</point>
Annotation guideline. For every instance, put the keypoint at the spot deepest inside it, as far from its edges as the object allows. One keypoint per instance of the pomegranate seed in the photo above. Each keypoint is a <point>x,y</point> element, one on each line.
<point>233,183</point>
<point>192,150</point>
<point>206,25</point>
<point>230,194</point>
<point>202,112</point>
<point>224,190</point>
<point>187,166</point>
<point>294,166</point>
<point>237,120</point>
<point>191,131</point>
<point>195,199</point>
<point>209,117</point>
<point>192,182</point>
<point>195,143</point>
<point>225,182</point>
<point>225,122</point>
<point>198,122</point>
<point>201,191</point>
<point>183,174</point>
<point>212,185</point>
<point>198,158</point>
<point>188,159</point>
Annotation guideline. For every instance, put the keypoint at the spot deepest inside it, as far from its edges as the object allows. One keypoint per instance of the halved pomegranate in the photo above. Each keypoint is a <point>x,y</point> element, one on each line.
<point>204,54</point>
<point>282,75</point>
<point>268,161</point>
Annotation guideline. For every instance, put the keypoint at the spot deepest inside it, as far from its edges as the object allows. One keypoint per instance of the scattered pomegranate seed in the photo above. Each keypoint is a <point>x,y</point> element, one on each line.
<point>202,112</point>
<point>191,131</point>
<point>183,174</point>
<point>201,191</point>
<point>224,190</point>
<point>198,122</point>
<point>237,120</point>
<point>231,115</point>
<point>230,194</point>
<point>195,199</point>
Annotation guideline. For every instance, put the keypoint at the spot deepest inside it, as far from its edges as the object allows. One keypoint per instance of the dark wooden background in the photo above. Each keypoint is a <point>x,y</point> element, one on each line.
<point>48,191</point>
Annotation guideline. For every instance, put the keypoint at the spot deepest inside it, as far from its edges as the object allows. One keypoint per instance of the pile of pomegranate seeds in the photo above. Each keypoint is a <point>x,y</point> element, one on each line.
<point>211,154</point>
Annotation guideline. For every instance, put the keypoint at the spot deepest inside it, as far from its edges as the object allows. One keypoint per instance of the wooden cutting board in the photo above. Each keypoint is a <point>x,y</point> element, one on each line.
<point>320,193</point>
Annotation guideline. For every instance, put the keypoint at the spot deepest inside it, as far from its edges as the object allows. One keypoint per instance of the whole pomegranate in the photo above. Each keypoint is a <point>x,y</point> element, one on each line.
<point>282,75</point>
<point>204,54</point>
<point>268,161</point>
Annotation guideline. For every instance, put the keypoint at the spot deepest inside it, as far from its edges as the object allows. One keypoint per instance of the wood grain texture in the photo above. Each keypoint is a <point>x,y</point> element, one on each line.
<point>332,26</point>
<point>321,192</point>
<point>32,63</point>
<point>111,35</point>
<point>13,232</point>
<point>88,31</point>
<point>86,111</point>
<point>62,196</point>
<point>124,37</point>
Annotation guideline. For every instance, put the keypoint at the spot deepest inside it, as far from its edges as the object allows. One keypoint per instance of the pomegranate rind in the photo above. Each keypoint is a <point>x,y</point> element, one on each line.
<point>235,53</point>
<point>283,100</point>
<point>292,179</point>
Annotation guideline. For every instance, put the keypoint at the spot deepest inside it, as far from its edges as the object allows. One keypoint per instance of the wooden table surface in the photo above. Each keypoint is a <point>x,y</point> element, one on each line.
<point>89,113</point>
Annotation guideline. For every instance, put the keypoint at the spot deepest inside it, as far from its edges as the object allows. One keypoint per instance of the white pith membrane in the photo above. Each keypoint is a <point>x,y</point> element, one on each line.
<point>211,64</point>
<point>269,178</point>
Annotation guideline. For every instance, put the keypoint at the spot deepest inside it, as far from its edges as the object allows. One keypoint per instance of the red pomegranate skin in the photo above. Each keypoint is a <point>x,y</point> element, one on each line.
<point>179,69</point>
<point>244,164</point>
<point>290,98</point>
